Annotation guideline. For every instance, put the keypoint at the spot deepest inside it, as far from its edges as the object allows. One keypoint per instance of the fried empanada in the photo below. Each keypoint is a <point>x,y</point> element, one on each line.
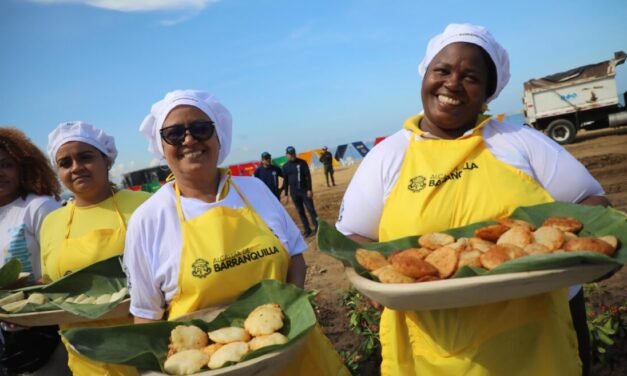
<point>479,244</point>
<point>494,257</point>
<point>513,251</point>
<point>518,236</point>
<point>229,334</point>
<point>411,263</point>
<point>428,278</point>
<point>388,274</point>
<point>232,352</point>
<point>371,260</point>
<point>569,236</point>
<point>461,245</point>
<point>269,340</point>
<point>611,240</point>
<point>211,349</point>
<point>510,222</point>
<point>265,319</point>
<point>435,240</point>
<point>566,224</point>
<point>491,232</point>
<point>550,237</point>
<point>470,258</point>
<point>185,337</point>
<point>37,298</point>
<point>186,362</point>
<point>444,260</point>
<point>536,249</point>
<point>589,244</point>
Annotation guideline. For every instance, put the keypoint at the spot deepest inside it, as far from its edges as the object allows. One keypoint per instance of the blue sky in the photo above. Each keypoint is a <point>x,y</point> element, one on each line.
<point>292,72</point>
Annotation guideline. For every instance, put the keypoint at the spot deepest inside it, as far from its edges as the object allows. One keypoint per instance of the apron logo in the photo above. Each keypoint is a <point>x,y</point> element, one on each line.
<point>201,268</point>
<point>242,257</point>
<point>417,184</point>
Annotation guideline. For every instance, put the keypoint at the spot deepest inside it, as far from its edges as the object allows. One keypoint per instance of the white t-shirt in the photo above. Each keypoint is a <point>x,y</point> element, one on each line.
<point>20,222</point>
<point>152,254</point>
<point>523,148</point>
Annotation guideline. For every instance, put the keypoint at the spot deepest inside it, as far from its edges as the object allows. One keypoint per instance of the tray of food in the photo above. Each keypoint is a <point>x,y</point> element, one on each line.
<point>96,292</point>
<point>258,334</point>
<point>537,249</point>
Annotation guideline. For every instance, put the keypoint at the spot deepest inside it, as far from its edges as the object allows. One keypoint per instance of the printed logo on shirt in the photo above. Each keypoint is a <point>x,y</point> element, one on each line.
<point>418,183</point>
<point>201,268</point>
<point>242,257</point>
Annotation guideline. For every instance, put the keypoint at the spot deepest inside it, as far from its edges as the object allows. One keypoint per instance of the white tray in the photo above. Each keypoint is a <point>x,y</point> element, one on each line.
<point>61,317</point>
<point>464,292</point>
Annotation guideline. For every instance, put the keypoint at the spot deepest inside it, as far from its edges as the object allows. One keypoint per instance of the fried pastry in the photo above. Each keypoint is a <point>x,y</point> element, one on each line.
<point>479,244</point>
<point>611,240</point>
<point>118,295</point>
<point>103,299</point>
<point>211,349</point>
<point>15,306</point>
<point>566,224</point>
<point>494,257</point>
<point>388,274</point>
<point>491,233</point>
<point>229,334</point>
<point>411,263</point>
<point>589,244</point>
<point>265,319</point>
<point>518,236</point>
<point>269,340</point>
<point>536,249</point>
<point>470,258</point>
<point>435,240</point>
<point>12,298</point>
<point>461,245</point>
<point>371,260</point>
<point>232,352</point>
<point>569,236</point>
<point>37,298</point>
<point>187,338</point>
<point>513,251</point>
<point>186,362</point>
<point>510,222</point>
<point>444,260</point>
<point>550,237</point>
<point>428,278</point>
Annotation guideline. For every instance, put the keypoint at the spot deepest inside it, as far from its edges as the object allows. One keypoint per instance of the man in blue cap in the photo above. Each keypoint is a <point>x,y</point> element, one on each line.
<point>297,178</point>
<point>269,174</point>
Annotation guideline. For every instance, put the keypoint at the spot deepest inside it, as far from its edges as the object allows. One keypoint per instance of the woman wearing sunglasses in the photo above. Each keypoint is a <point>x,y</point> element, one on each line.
<point>90,228</point>
<point>204,215</point>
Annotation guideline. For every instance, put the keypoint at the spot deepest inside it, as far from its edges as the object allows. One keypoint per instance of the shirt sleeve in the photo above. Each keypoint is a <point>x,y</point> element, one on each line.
<point>40,214</point>
<point>147,299</point>
<point>564,177</point>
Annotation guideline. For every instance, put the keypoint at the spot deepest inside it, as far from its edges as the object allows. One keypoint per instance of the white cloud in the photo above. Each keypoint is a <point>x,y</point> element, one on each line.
<point>137,5</point>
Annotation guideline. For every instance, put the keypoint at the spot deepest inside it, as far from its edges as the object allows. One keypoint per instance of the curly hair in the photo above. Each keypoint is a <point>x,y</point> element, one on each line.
<point>34,170</point>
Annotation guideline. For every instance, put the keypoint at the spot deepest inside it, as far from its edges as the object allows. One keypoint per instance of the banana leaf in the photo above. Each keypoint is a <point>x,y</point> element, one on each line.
<point>597,221</point>
<point>104,277</point>
<point>145,346</point>
<point>10,272</point>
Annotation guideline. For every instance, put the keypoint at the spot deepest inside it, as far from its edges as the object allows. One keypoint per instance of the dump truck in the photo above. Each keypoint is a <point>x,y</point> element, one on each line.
<point>581,98</point>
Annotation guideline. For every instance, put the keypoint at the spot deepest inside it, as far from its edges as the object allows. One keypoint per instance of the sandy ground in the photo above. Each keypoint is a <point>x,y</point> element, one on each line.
<point>604,153</point>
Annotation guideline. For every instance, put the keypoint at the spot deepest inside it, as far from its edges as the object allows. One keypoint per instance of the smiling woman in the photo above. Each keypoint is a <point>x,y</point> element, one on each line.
<point>469,168</point>
<point>90,228</point>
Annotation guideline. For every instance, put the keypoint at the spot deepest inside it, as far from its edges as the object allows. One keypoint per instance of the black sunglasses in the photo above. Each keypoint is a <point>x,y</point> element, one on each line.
<point>201,130</point>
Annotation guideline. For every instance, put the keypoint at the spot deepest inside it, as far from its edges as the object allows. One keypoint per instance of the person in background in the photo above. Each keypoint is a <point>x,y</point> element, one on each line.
<point>204,215</point>
<point>29,190</point>
<point>326,158</point>
<point>90,228</point>
<point>297,178</point>
<point>269,174</point>
<point>496,167</point>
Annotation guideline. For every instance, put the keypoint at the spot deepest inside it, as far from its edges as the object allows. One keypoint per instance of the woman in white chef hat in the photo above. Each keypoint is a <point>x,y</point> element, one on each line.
<point>206,214</point>
<point>451,166</point>
<point>90,228</point>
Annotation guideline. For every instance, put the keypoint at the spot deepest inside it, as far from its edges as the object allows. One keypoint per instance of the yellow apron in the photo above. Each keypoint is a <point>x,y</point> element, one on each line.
<point>451,183</point>
<point>78,253</point>
<point>225,251</point>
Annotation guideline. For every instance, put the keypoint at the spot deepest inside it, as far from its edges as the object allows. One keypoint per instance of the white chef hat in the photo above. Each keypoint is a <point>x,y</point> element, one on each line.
<point>83,132</point>
<point>477,35</point>
<point>202,100</point>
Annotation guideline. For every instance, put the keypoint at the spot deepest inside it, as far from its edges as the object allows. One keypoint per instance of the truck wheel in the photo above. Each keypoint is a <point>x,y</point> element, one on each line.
<point>561,131</point>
